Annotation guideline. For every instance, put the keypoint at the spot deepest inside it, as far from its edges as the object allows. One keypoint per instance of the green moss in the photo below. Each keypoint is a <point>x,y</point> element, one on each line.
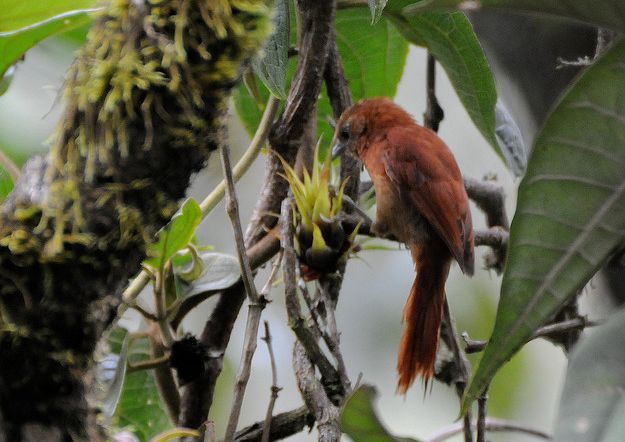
<point>152,76</point>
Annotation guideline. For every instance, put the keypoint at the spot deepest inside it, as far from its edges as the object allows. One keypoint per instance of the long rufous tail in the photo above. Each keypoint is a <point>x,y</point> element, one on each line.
<point>423,313</point>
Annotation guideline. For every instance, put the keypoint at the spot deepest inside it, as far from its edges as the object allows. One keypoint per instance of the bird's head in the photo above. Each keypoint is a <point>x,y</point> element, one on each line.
<point>364,121</point>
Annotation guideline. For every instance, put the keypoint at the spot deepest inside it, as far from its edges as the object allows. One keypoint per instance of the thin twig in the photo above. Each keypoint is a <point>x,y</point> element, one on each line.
<point>472,346</point>
<point>232,208</point>
<point>8,165</point>
<point>490,424</point>
<point>334,342</point>
<point>160,299</point>
<point>163,374</point>
<point>283,425</point>
<point>274,385</point>
<point>148,364</point>
<point>242,166</point>
<point>146,314</point>
<point>256,305</point>
<point>481,416</point>
<point>461,365</point>
<point>326,413</point>
<point>211,201</point>
<point>434,113</point>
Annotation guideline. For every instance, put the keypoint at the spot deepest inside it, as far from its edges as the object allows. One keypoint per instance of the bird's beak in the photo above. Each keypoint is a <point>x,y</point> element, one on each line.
<point>338,149</point>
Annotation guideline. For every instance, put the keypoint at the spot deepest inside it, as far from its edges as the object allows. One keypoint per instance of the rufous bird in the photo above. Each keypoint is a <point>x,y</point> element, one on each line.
<point>422,202</point>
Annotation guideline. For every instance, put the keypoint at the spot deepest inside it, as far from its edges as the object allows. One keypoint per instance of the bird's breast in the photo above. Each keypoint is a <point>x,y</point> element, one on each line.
<point>395,217</point>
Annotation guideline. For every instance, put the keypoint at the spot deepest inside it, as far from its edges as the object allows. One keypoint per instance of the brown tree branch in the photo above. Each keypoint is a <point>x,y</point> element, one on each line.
<point>296,321</point>
<point>326,414</point>
<point>472,346</point>
<point>316,20</point>
<point>274,386</point>
<point>283,425</point>
<point>256,304</point>
<point>434,113</point>
<point>490,424</point>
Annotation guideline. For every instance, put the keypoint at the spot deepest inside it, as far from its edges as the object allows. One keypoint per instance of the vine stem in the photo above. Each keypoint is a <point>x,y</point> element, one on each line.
<point>211,201</point>
<point>9,166</point>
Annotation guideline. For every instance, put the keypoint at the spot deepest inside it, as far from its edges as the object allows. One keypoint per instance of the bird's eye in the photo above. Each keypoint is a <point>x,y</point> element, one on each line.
<point>344,133</point>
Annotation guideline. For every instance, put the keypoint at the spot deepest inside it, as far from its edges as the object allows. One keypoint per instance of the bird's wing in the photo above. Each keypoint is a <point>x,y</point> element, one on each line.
<point>427,178</point>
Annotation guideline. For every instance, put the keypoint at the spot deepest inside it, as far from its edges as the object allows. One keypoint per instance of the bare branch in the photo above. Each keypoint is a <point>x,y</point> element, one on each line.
<point>274,386</point>
<point>434,113</point>
<point>326,413</point>
<point>490,424</point>
<point>481,416</point>
<point>296,320</point>
<point>282,425</point>
<point>163,374</point>
<point>459,371</point>
<point>315,21</point>
<point>580,323</point>
<point>256,305</point>
<point>491,199</point>
<point>341,98</point>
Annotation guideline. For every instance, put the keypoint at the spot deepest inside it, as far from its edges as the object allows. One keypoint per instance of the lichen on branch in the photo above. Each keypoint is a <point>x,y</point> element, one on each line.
<point>145,105</point>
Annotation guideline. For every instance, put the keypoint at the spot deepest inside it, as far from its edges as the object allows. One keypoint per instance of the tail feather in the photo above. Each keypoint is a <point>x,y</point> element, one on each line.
<point>423,314</point>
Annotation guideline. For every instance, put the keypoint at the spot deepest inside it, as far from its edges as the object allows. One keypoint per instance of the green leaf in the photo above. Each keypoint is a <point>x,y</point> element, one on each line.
<point>139,406</point>
<point>605,13</point>
<point>6,79</point>
<point>13,44</point>
<point>272,68</point>
<point>17,14</point>
<point>118,340</point>
<point>6,184</point>
<point>220,271</point>
<point>592,407</point>
<point>450,38</point>
<point>376,7</point>
<point>177,234</point>
<point>373,59</point>
<point>570,213</point>
<point>359,419</point>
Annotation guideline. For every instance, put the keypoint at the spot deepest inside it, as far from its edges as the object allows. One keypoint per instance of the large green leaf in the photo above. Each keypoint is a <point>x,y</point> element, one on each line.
<point>450,38</point>
<point>592,408</point>
<point>373,59</point>
<point>17,14</point>
<point>570,212</point>
<point>273,66</point>
<point>604,13</point>
<point>359,419</point>
<point>118,341</point>
<point>14,44</point>
<point>139,407</point>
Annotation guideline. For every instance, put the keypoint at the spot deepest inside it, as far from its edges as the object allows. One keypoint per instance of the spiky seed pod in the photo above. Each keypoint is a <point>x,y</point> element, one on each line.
<point>321,242</point>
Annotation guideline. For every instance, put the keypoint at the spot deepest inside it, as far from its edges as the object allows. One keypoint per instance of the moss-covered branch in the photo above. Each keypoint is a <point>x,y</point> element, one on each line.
<point>146,100</point>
